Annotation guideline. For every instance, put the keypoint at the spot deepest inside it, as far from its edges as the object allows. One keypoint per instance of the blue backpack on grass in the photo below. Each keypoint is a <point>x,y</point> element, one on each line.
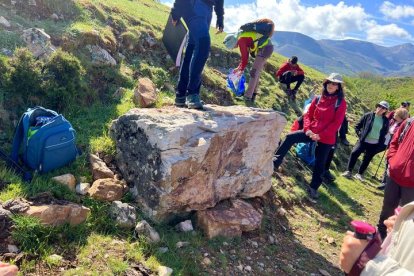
<point>306,152</point>
<point>45,140</point>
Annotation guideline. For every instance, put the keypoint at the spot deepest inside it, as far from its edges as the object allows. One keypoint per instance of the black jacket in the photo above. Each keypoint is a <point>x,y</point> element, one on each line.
<point>181,7</point>
<point>364,126</point>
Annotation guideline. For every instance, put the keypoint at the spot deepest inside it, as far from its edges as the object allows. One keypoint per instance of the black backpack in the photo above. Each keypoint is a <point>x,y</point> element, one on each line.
<point>263,28</point>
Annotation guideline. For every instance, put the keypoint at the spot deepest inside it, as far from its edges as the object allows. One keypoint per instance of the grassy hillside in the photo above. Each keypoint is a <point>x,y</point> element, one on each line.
<point>304,233</point>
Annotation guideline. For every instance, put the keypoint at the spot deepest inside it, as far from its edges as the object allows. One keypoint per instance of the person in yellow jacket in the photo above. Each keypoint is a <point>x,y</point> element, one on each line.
<point>260,47</point>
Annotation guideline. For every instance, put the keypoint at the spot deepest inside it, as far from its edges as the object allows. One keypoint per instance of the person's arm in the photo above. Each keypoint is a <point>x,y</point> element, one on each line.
<point>393,147</point>
<point>299,71</point>
<point>351,249</point>
<point>308,116</point>
<point>244,44</point>
<point>282,69</point>
<point>177,8</point>
<point>359,125</point>
<point>219,9</point>
<point>335,124</point>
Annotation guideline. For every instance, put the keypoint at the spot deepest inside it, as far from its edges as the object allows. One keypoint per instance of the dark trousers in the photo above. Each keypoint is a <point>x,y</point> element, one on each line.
<point>197,50</point>
<point>321,155</point>
<point>394,195</point>
<point>288,78</point>
<point>369,151</point>
<point>344,129</point>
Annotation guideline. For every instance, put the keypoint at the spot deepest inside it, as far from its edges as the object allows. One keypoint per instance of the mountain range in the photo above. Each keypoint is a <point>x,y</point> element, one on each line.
<point>350,56</point>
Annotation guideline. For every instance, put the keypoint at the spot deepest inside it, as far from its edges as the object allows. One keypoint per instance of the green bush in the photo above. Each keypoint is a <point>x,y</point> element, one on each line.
<point>25,78</point>
<point>63,79</point>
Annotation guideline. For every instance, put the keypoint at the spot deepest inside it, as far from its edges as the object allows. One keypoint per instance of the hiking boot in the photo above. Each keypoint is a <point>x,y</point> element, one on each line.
<point>381,186</point>
<point>254,97</point>
<point>313,194</point>
<point>328,177</point>
<point>359,177</point>
<point>345,142</point>
<point>347,174</point>
<point>180,101</point>
<point>193,102</point>
<point>247,99</point>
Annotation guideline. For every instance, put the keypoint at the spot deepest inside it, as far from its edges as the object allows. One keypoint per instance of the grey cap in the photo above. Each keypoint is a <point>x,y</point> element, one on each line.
<point>384,104</point>
<point>335,77</point>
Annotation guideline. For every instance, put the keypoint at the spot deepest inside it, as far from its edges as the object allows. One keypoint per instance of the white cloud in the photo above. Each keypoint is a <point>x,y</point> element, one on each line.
<point>393,11</point>
<point>377,33</point>
<point>332,21</point>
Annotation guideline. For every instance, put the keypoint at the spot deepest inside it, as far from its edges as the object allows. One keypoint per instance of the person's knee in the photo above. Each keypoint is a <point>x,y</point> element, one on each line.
<point>300,77</point>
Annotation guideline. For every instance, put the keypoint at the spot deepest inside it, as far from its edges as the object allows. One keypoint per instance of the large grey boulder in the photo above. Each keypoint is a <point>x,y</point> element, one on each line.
<point>180,160</point>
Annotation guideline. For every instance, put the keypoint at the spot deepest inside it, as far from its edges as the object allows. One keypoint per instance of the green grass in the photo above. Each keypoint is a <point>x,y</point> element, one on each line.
<point>98,245</point>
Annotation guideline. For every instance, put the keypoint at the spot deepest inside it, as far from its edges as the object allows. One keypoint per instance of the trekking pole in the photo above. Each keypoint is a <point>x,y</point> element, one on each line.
<point>375,175</point>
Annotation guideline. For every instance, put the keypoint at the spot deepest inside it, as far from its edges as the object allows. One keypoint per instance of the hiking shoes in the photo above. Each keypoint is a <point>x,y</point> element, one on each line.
<point>180,101</point>
<point>359,177</point>
<point>347,174</point>
<point>193,102</point>
<point>381,186</point>
<point>313,194</point>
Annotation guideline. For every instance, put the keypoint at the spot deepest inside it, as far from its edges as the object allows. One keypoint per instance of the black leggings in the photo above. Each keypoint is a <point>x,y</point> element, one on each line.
<point>288,78</point>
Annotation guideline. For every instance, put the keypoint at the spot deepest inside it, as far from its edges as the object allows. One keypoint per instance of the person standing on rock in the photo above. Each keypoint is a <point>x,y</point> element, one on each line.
<point>320,124</point>
<point>197,15</point>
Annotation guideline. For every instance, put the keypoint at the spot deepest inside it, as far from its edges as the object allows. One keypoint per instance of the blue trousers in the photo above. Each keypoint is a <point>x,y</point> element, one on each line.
<point>198,21</point>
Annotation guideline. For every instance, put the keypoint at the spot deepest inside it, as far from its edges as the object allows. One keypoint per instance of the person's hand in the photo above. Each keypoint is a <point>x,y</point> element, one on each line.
<point>389,222</point>
<point>309,133</point>
<point>8,269</point>
<point>294,72</point>
<point>237,71</point>
<point>350,251</point>
<point>315,137</point>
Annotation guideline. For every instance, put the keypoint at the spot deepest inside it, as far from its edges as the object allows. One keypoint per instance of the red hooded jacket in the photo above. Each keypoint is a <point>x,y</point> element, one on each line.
<point>322,118</point>
<point>401,157</point>
<point>289,67</point>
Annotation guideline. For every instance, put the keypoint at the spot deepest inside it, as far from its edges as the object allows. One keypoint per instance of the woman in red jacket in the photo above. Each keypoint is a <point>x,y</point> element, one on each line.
<point>320,124</point>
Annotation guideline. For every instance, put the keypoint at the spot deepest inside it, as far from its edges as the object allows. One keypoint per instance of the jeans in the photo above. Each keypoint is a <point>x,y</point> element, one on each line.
<point>197,50</point>
<point>288,78</point>
<point>321,155</point>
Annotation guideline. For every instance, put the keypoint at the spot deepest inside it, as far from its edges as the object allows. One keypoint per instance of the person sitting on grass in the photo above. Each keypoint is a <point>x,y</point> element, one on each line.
<point>371,130</point>
<point>320,124</point>
<point>290,72</point>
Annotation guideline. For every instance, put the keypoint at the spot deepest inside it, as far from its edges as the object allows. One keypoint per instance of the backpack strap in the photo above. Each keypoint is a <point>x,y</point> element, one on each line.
<point>337,104</point>
<point>406,128</point>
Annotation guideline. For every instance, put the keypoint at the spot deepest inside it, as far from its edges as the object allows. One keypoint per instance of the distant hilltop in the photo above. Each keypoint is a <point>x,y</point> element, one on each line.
<point>349,57</point>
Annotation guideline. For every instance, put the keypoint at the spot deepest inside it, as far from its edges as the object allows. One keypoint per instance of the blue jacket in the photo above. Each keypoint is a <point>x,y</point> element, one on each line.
<point>180,7</point>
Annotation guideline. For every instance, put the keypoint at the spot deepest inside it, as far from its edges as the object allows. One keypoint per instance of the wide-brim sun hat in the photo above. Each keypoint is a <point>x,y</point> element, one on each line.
<point>383,104</point>
<point>335,77</point>
<point>230,41</point>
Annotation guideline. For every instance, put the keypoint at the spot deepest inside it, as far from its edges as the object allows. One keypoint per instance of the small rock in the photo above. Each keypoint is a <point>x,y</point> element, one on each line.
<point>254,244</point>
<point>225,244</point>
<point>163,250</point>
<point>54,259</point>
<point>12,248</point>
<point>324,272</point>
<point>260,264</point>
<point>206,254</point>
<point>281,212</point>
<point>248,258</point>
<point>181,244</point>
<point>164,271</point>
<point>4,22</point>
<point>184,226</point>
<point>240,267</point>
<point>206,261</point>
<point>82,188</point>
<point>248,268</point>
<point>54,16</point>
<point>144,228</point>
<point>271,240</point>
<point>68,180</point>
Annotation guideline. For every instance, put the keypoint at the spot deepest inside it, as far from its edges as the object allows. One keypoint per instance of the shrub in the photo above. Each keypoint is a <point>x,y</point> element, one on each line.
<point>64,78</point>
<point>25,77</point>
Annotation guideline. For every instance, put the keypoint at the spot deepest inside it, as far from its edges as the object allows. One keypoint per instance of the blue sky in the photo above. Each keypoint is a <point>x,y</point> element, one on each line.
<point>385,23</point>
